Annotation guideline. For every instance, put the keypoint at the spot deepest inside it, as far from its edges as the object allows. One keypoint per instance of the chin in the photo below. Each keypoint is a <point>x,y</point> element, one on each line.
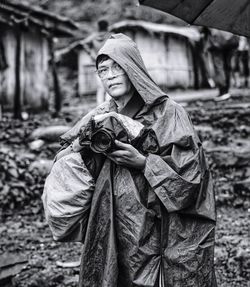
<point>116,94</point>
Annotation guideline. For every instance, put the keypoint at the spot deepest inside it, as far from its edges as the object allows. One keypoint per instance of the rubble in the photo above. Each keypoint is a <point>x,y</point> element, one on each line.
<point>25,160</point>
<point>50,134</point>
<point>10,265</point>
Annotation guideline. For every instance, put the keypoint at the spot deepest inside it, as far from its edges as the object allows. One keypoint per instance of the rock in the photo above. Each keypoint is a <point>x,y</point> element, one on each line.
<point>10,265</point>
<point>36,145</point>
<point>42,167</point>
<point>238,202</point>
<point>235,155</point>
<point>243,185</point>
<point>242,254</point>
<point>25,116</point>
<point>13,172</point>
<point>71,264</point>
<point>220,254</point>
<point>50,134</point>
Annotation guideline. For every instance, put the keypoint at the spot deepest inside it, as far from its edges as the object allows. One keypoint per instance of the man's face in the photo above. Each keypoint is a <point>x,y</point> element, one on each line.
<point>114,79</point>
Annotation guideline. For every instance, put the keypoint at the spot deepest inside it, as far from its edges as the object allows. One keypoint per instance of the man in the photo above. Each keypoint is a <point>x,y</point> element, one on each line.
<point>92,48</point>
<point>152,214</point>
<point>241,69</point>
<point>222,45</point>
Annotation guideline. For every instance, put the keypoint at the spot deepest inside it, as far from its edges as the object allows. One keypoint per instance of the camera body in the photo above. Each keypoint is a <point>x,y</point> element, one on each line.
<point>102,130</point>
<point>103,141</point>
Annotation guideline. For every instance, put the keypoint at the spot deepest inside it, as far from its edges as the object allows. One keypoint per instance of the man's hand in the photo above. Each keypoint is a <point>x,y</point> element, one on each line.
<point>128,156</point>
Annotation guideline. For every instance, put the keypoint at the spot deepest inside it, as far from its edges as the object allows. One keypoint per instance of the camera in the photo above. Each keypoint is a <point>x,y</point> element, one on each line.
<point>102,130</point>
<point>103,141</point>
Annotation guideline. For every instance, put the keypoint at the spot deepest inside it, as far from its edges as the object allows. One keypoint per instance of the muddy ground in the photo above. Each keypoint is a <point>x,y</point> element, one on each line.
<point>224,129</point>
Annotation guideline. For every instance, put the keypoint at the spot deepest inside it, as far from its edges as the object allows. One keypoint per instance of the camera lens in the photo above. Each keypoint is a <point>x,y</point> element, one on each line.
<point>101,141</point>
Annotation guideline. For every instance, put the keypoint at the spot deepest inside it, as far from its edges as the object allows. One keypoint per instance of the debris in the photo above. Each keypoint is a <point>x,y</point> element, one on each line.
<point>42,167</point>
<point>50,134</point>
<point>10,265</point>
<point>36,145</point>
<point>72,264</point>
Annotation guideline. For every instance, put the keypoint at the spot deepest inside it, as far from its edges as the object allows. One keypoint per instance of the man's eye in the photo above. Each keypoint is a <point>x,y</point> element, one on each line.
<point>101,71</point>
<point>117,67</point>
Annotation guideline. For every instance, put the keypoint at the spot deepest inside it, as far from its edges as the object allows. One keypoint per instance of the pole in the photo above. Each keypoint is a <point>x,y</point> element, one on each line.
<point>17,95</point>
<point>58,97</point>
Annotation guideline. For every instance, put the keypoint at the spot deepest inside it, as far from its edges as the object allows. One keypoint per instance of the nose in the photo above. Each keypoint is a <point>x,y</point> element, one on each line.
<point>110,74</point>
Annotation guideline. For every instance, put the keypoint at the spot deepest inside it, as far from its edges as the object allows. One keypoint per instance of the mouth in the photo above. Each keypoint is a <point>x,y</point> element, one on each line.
<point>113,85</point>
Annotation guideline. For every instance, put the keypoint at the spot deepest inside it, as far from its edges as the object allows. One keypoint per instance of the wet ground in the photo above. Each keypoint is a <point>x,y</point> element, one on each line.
<point>23,231</point>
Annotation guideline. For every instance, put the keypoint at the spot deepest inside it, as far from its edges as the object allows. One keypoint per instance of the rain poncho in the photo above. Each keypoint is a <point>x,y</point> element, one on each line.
<point>153,227</point>
<point>67,196</point>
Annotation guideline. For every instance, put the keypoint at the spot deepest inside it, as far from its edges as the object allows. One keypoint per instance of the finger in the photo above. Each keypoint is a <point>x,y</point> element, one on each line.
<point>119,153</point>
<point>122,145</point>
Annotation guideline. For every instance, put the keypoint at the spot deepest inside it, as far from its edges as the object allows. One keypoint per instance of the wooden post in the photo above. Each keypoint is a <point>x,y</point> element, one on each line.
<point>17,96</point>
<point>58,97</point>
<point>194,52</point>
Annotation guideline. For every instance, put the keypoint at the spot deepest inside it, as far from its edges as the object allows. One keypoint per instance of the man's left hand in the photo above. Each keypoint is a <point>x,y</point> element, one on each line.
<point>128,156</point>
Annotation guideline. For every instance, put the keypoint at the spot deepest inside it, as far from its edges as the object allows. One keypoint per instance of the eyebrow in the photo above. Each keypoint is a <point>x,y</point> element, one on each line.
<point>104,64</point>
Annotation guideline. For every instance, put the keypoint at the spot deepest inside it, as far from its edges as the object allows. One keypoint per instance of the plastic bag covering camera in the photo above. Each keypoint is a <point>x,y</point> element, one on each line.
<point>69,187</point>
<point>67,197</point>
<point>104,129</point>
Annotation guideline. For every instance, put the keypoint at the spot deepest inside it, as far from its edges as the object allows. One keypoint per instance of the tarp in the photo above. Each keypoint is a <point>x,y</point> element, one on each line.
<point>153,227</point>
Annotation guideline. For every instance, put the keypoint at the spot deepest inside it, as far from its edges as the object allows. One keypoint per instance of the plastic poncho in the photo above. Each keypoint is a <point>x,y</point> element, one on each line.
<point>153,227</point>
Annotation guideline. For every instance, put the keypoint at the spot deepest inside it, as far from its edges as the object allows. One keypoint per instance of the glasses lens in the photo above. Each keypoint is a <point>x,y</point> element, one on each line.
<point>115,69</point>
<point>102,73</point>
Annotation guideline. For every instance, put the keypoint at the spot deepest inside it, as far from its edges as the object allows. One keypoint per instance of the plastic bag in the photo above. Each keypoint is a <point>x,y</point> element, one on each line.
<point>67,198</point>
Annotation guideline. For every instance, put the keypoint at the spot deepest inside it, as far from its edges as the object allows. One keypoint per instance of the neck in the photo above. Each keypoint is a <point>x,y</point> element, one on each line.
<point>122,101</point>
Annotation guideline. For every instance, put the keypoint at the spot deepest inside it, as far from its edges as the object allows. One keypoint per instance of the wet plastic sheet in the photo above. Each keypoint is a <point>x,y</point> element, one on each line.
<point>67,197</point>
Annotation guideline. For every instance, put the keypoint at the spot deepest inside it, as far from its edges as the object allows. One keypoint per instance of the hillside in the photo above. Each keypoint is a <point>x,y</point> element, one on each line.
<point>89,11</point>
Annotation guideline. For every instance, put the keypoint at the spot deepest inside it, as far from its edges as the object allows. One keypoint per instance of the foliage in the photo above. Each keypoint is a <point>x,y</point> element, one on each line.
<point>113,10</point>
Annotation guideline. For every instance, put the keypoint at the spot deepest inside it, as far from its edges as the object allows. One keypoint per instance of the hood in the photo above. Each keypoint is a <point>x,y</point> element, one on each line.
<point>124,51</point>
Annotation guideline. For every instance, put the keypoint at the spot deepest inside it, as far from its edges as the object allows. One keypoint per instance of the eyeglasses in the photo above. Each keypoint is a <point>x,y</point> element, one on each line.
<point>116,70</point>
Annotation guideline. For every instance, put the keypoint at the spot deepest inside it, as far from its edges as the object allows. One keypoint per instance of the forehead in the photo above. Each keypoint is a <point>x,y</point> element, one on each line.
<point>106,63</point>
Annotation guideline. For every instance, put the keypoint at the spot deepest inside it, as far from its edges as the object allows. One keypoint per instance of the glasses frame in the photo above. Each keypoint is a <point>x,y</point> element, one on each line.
<point>112,68</point>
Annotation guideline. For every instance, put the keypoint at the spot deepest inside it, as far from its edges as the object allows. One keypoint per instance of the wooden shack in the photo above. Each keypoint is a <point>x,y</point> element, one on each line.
<point>26,46</point>
<point>170,54</point>
<point>79,56</point>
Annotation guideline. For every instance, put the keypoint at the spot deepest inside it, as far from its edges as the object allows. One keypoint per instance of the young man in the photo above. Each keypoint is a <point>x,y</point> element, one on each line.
<point>152,214</point>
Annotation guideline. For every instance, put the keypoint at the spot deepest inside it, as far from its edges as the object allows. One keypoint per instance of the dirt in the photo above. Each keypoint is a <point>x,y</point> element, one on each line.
<point>24,232</point>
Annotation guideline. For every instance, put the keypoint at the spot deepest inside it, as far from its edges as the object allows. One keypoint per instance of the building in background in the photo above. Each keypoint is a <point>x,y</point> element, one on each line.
<point>169,53</point>
<point>26,46</point>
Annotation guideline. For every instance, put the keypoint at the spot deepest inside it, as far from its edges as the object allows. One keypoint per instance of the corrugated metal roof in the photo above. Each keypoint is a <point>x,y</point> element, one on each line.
<point>186,31</point>
<point>13,13</point>
<point>191,33</point>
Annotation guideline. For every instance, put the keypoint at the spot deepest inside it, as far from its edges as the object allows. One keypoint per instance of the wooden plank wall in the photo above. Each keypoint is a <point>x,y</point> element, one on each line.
<point>34,70</point>
<point>167,57</point>
<point>7,76</point>
<point>87,82</point>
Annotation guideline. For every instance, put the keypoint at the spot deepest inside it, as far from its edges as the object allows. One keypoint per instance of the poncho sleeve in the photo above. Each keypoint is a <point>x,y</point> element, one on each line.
<point>175,173</point>
<point>69,136</point>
